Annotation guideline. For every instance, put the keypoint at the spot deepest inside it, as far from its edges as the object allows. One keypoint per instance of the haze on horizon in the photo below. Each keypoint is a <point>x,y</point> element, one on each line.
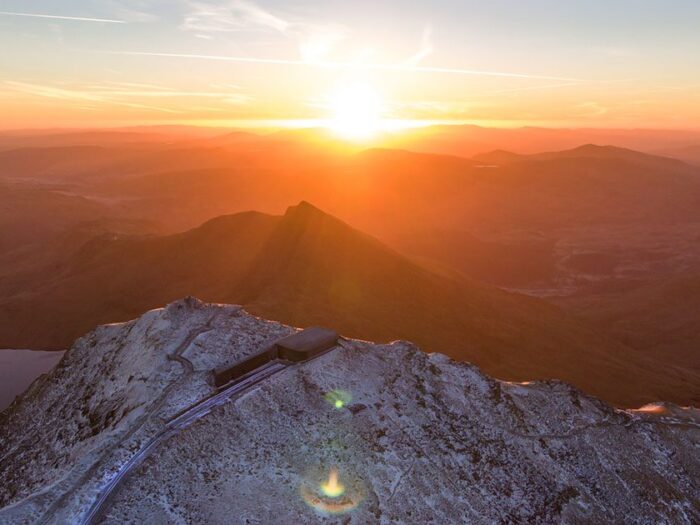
<point>504,63</point>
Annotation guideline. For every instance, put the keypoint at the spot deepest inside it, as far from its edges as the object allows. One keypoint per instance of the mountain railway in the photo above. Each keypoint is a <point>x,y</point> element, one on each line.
<point>297,348</point>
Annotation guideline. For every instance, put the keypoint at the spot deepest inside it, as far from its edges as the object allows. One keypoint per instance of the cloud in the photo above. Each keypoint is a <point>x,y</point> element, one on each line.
<point>349,65</point>
<point>78,95</point>
<point>667,89</point>
<point>430,109</point>
<point>237,99</point>
<point>535,88</point>
<point>50,91</point>
<point>590,109</point>
<point>60,17</point>
<point>426,47</point>
<point>224,58</point>
<point>130,94</point>
<point>137,11</point>
<point>315,42</point>
<point>234,15</point>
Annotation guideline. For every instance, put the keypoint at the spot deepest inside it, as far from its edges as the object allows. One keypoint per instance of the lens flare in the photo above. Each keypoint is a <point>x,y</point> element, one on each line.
<point>333,488</point>
<point>338,399</point>
<point>330,492</point>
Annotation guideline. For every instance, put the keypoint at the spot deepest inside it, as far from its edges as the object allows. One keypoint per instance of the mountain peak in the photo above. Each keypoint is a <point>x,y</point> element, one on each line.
<point>591,148</point>
<point>306,214</point>
<point>599,152</point>
<point>379,419</point>
<point>304,208</point>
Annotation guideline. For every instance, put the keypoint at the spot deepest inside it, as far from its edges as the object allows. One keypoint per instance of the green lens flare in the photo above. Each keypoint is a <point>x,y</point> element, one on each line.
<point>338,399</point>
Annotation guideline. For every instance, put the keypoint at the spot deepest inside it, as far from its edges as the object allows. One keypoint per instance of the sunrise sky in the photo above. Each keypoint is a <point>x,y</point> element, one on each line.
<point>616,63</point>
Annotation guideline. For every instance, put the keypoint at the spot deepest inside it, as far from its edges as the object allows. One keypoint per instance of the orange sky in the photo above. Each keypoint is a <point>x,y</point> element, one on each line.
<point>631,64</point>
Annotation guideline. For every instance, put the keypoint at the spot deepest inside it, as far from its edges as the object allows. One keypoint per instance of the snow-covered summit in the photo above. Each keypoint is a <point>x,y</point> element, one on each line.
<point>367,433</point>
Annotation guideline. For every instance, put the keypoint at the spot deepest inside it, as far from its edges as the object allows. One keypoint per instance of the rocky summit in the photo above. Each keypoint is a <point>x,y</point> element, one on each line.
<point>130,427</point>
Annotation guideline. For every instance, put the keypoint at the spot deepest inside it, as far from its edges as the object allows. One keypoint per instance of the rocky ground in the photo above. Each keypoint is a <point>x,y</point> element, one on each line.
<point>411,437</point>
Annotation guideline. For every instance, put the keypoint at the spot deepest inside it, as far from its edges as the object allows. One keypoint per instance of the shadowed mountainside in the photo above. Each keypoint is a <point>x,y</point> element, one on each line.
<point>307,268</point>
<point>660,319</point>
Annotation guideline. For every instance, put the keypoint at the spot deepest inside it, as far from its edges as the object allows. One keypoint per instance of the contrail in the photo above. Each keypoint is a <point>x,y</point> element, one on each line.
<point>249,60</point>
<point>380,67</point>
<point>58,17</point>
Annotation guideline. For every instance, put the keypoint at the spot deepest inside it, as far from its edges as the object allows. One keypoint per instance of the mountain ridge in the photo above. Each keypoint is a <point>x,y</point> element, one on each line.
<point>408,417</point>
<point>584,151</point>
<point>307,267</point>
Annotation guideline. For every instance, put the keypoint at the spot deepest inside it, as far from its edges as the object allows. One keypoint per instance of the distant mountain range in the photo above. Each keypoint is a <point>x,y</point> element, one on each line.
<point>583,152</point>
<point>97,227</point>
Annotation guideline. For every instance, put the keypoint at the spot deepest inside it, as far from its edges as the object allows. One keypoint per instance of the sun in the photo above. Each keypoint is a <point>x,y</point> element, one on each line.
<point>355,112</point>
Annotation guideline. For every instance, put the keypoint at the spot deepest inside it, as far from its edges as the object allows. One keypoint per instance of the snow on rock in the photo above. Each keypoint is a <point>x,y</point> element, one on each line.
<point>418,438</point>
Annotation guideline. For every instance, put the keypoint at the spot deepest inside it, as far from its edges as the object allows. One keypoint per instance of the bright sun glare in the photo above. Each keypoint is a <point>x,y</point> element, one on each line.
<point>356,111</point>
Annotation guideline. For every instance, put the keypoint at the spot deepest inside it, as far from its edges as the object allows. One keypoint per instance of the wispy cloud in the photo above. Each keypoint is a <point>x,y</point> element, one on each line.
<point>137,11</point>
<point>315,41</point>
<point>535,88</point>
<point>560,85</point>
<point>461,71</point>
<point>249,60</point>
<point>668,89</point>
<point>351,65</point>
<point>76,95</point>
<point>128,94</point>
<point>234,15</point>
<point>590,109</point>
<point>446,110</point>
<point>426,47</point>
<point>155,87</point>
<point>51,91</point>
<point>60,17</point>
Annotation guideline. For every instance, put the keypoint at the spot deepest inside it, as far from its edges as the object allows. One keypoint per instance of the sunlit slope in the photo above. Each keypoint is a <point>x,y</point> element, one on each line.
<point>387,192</point>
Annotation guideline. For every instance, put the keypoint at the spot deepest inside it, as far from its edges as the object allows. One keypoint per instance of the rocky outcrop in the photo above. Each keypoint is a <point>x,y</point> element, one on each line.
<point>367,433</point>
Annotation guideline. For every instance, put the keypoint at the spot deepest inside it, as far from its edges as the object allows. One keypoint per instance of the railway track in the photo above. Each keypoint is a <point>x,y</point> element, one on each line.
<point>284,353</point>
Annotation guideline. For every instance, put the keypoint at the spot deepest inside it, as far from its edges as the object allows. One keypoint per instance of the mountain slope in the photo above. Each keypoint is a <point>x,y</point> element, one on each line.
<point>659,318</point>
<point>385,191</point>
<point>420,438</point>
<point>689,154</point>
<point>306,268</point>
<point>112,279</point>
<point>592,151</point>
<point>30,214</point>
<point>317,270</point>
